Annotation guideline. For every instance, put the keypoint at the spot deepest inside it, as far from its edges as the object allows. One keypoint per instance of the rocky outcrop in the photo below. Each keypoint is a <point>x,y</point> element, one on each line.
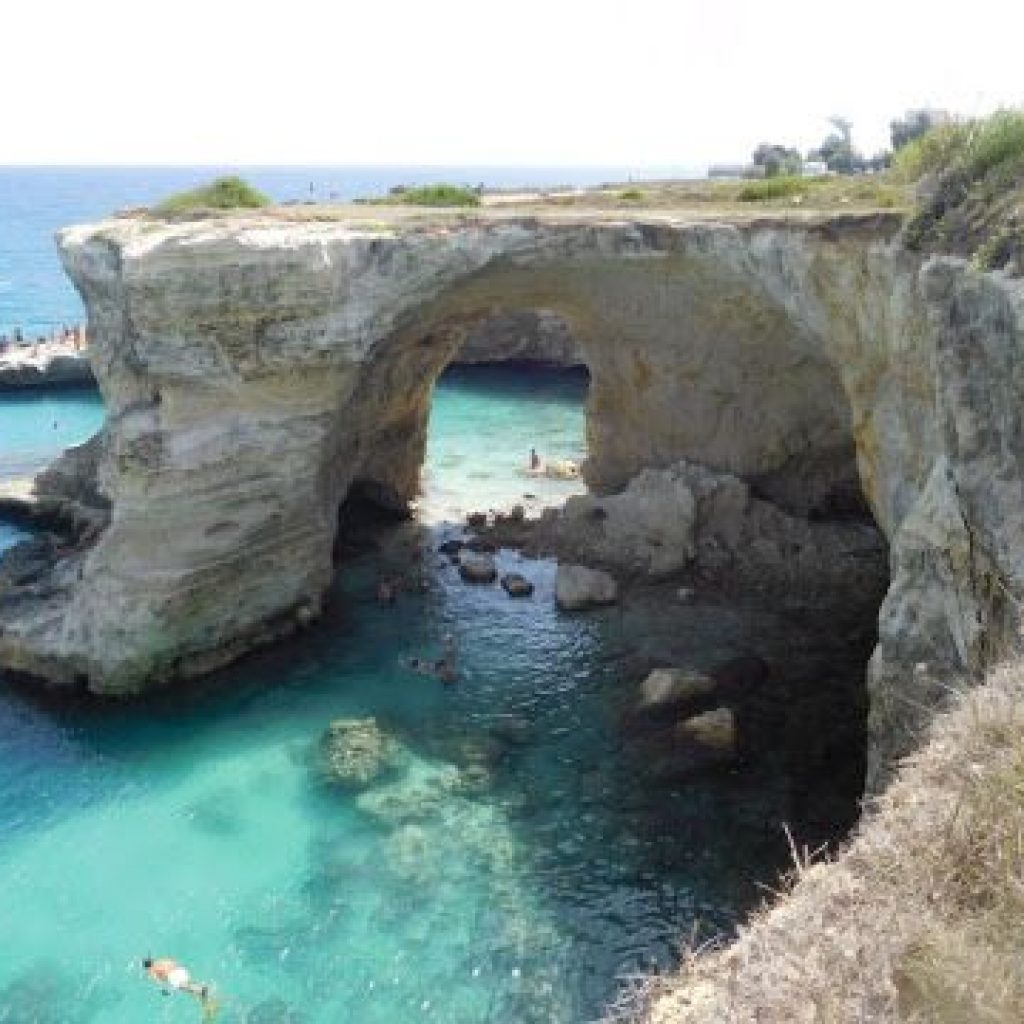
<point>256,369</point>
<point>690,517</point>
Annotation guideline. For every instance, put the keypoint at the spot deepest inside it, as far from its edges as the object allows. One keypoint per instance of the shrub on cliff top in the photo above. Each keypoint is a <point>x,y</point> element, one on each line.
<point>429,195</point>
<point>227,193</point>
<point>970,183</point>
<point>779,187</point>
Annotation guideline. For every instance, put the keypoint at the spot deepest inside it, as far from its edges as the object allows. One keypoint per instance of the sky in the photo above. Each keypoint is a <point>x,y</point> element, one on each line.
<point>636,83</point>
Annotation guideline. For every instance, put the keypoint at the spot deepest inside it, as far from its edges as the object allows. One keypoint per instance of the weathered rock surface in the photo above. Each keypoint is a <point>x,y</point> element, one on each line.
<point>687,516</point>
<point>255,369</point>
<point>529,336</point>
<point>577,587</point>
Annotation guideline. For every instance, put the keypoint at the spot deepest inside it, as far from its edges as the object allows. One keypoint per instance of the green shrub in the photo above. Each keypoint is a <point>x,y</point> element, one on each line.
<point>973,148</point>
<point>998,141</point>
<point>440,195</point>
<point>778,187</point>
<point>936,149</point>
<point>227,193</point>
<point>632,195</point>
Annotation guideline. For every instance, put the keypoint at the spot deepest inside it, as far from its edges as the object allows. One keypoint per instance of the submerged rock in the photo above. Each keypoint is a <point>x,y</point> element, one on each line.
<point>355,752</point>
<point>274,1011</point>
<point>477,567</point>
<point>516,585</point>
<point>578,587</point>
<point>419,793</point>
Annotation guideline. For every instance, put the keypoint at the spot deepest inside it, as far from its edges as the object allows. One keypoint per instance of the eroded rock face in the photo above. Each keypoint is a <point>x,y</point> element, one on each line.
<point>529,336</point>
<point>255,369</point>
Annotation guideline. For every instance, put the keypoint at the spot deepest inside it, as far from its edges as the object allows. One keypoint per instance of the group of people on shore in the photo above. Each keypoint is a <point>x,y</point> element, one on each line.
<point>73,337</point>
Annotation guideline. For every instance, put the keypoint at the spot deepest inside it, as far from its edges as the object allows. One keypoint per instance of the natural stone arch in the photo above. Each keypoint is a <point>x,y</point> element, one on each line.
<point>683,363</point>
<point>252,370</point>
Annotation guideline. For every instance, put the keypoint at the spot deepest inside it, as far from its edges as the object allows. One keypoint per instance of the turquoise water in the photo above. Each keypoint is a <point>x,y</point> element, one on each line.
<point>514,865</point>
<point>35,426</point>
<point>484,421</point>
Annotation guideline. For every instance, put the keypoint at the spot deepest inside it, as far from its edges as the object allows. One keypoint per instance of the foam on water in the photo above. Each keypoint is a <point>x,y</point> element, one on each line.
<point>507,871</point>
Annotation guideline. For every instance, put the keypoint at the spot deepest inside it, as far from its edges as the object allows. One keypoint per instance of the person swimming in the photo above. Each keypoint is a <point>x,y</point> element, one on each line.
<point>444,668</point>
<point>171,976</point>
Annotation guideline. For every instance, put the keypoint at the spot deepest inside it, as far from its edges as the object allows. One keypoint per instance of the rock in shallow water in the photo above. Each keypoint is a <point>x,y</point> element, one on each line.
<point>477,568</point>
<point>516,585</point>
<point>674,685</point>
<point>715,730</point>
<point>578,587</point>
<point>355,752</point>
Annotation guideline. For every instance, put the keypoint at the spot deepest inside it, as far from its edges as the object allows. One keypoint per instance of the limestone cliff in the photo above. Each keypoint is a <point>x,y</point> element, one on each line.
<point>254,369</point>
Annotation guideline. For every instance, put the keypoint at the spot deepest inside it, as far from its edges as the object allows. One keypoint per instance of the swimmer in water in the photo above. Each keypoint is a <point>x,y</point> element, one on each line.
<point>171,976</point>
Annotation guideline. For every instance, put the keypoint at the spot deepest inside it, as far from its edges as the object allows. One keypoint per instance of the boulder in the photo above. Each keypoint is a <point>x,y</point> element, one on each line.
<point>714,730</point>
<point>356,752</point>
<point>648,527</point>
<point>477,567</point>
<point>577,586</point>
<point>674,685</point>
<point>516,585</point>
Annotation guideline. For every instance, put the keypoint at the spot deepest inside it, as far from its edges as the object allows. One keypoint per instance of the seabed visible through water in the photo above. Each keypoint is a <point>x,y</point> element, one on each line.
<point>511,866</point>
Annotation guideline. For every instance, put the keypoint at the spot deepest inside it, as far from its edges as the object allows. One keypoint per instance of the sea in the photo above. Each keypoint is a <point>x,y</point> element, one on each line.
<point>513,863</point>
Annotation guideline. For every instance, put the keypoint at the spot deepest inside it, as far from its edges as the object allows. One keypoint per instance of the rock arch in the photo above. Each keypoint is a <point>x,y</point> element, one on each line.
<point>254,369</point>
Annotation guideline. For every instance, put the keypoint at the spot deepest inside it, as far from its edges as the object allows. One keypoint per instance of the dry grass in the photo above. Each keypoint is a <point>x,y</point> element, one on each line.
<point>920,920</point>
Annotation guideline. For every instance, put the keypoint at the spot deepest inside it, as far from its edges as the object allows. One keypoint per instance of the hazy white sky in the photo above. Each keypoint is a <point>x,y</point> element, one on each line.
<point>634,84</point>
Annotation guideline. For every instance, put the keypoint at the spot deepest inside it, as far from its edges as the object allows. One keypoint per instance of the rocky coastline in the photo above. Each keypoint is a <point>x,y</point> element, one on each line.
<point>46,365</point>
<point>267,367</point>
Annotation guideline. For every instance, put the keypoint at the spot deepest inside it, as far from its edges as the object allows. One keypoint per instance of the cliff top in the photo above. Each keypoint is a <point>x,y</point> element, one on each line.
<point>800,201</point>
<point>361,220</point>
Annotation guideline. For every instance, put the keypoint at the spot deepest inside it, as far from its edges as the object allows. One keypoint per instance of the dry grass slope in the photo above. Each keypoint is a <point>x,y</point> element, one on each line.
<point>919,921</point>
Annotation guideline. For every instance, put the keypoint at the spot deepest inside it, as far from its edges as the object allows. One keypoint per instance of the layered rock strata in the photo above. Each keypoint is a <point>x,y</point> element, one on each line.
<point>255,370</point>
